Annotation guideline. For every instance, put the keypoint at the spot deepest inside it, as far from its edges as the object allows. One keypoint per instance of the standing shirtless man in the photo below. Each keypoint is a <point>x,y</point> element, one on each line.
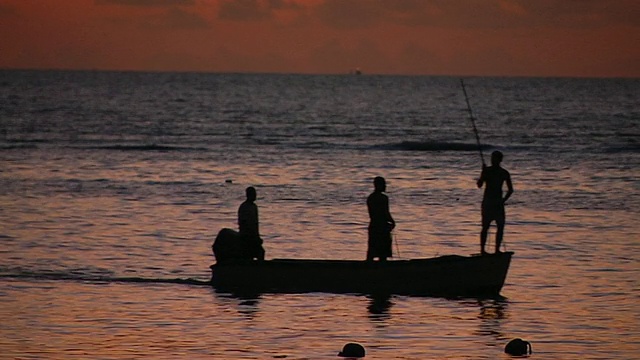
<point>494,177</point>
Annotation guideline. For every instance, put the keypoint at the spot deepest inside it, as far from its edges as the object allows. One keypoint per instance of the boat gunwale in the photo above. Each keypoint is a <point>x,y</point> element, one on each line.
<point>360,263</point>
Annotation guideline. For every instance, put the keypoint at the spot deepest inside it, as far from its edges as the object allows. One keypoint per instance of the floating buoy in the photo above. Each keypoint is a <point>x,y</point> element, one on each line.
<point>352,350</point>
<point>518,347</point>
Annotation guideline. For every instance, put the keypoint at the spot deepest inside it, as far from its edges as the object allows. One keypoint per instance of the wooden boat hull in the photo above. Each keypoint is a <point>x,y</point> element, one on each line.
<point>450,275</point>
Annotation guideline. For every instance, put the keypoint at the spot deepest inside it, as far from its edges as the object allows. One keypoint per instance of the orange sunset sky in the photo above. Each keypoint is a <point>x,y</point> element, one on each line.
<point>586,38</point>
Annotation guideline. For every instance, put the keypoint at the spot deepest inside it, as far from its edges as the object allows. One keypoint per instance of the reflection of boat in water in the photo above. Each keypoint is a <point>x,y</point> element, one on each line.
<point>450,275</point>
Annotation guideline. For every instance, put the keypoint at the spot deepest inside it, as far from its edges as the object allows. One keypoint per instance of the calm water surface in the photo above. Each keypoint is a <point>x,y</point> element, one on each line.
<point>113,186</point>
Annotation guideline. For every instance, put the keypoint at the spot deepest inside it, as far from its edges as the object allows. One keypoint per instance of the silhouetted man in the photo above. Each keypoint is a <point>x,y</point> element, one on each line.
<point>380,222</point>
<point>248,226</point>
<point>494,177</point>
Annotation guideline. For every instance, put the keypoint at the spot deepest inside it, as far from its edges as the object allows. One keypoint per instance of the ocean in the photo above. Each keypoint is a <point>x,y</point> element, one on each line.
<point>113,186</point>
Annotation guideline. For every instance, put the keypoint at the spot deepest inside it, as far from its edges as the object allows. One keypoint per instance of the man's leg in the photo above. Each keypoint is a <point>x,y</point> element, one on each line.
<point>499,232</point>
<point>370,246</point>
<point>483,234</point>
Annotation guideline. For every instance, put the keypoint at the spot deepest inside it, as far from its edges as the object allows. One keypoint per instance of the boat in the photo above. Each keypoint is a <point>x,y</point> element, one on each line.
<point>445,276</point>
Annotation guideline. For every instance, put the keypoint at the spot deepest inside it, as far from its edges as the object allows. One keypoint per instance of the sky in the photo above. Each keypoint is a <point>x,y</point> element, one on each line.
<point>577,38</point>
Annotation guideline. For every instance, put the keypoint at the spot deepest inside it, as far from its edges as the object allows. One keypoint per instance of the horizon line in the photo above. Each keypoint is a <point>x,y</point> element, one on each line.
<point>346,73</point>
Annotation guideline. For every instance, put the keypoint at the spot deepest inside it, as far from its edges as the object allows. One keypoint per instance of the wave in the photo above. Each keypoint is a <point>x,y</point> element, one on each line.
<point>12,144</point>
<point>18,146</point>
<point>32,144</point>
<point>630,148</point>
<point>147,147</point>
<point>76,276</point>
<point>435,146</point>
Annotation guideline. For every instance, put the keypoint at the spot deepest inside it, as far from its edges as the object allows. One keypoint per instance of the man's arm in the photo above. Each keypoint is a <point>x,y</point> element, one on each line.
<point>243,218</point>
<point>389,217</point>
<point>509,188</point>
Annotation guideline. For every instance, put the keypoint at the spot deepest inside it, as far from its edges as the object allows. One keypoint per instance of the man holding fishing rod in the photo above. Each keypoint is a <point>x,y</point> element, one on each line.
<point>493,177</point>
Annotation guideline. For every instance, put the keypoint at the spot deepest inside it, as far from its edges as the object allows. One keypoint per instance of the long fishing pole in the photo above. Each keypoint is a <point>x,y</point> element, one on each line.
<point>473,121</point>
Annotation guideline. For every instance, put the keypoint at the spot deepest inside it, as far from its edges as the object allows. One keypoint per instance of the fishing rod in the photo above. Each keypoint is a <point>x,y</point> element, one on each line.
<point>473,121</point>
<point>395,238</point>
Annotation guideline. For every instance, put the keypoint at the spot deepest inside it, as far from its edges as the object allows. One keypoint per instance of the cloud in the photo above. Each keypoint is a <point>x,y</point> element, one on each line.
<point>353,14</point>
<point>171,18</point>
<point>283,5</point>
<point>244,10</point>
<point>146,2</point>
<point>472,14</point>
<point>7,11</point>
<point>582,13</point>
<point>458,14</point>
<point>282,11</point>
<point>175,18</point>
